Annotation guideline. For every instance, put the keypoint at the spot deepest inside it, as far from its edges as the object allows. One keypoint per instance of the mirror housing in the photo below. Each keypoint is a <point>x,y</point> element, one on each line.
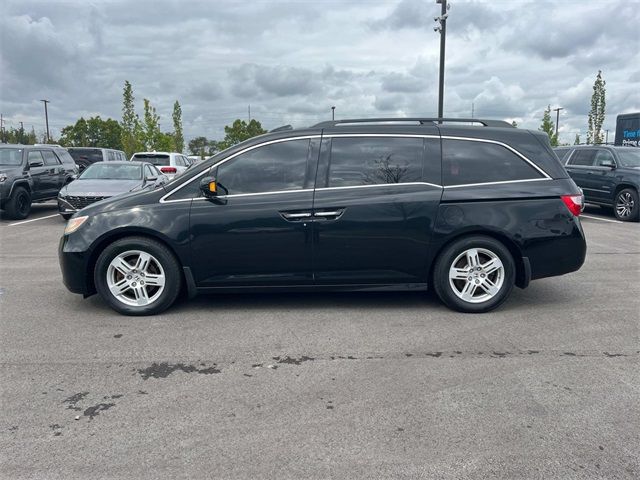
<point>37,163</point>
<point>209,187</point>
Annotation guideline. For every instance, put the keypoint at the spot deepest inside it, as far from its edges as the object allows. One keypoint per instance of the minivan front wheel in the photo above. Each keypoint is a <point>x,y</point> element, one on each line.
<point>138,276</point>
<point>474,274</point>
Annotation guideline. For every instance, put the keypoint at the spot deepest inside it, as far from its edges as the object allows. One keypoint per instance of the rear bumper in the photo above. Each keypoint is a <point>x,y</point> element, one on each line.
<point>74,269</point>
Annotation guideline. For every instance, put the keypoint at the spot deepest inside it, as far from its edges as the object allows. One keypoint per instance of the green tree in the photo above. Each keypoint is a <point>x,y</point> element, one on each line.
<point>596,114</point>
<point>131,131</point>
<point>549,127</point>
<point>94,132</point>
<point>240,131</point>
<point>178,136</point>
<point>151,126</point>
<point>165,142</point>
<point>203,147</point>
<point>577,140</point>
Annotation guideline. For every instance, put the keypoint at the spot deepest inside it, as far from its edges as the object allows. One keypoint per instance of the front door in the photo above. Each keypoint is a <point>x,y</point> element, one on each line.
<point>374,208</point>
<point>257,232</point>
<point>43,181</point>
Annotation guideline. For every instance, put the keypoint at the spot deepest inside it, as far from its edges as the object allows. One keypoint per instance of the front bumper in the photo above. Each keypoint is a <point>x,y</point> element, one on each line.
<point>74,269</point>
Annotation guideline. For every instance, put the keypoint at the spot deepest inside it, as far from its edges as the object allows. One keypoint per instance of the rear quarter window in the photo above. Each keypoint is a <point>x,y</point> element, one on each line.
<point>470,162</point>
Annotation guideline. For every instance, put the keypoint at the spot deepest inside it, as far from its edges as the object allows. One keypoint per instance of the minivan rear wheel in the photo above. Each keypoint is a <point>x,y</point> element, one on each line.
<point>474,274</point>
<point>138,276</point>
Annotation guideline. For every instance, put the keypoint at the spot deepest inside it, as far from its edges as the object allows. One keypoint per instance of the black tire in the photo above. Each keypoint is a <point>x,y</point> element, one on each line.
<point>168,262</point>
<point>626,207</point>
<point>18,206</point>
<point>66,216</point>
<point>448,256</point>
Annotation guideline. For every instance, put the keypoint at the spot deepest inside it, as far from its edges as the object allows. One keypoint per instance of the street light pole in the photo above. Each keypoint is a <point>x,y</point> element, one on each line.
<point>442,28</point>
<point>46,118</point>
<point>557,110</point>
<point>333,113</point>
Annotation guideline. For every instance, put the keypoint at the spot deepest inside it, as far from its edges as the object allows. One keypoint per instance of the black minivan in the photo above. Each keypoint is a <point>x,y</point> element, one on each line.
<point>374,204</point>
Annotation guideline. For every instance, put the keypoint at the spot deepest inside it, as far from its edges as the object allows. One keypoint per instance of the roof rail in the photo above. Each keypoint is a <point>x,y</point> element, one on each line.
<point>282,128</point>
<point>421,121</point>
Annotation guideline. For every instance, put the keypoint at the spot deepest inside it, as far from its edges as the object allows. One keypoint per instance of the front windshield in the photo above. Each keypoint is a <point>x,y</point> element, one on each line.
<point>112,171</point>
<point>629,157</point>
<point>10,156</point>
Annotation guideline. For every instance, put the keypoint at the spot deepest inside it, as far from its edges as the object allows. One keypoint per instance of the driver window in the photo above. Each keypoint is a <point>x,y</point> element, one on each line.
<point>603,157</point>
<point>271,168</point>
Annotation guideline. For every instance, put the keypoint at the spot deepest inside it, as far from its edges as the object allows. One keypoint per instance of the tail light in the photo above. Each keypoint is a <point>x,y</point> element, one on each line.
<point>574,203</point>
<point>168,169</point>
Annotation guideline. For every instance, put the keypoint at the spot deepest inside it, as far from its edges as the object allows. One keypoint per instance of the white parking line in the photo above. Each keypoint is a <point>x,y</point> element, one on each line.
<point>601,219</point>
<point>33,220</point>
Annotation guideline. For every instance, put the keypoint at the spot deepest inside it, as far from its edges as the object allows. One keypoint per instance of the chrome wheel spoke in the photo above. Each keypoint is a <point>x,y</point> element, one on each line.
<point>492,265</point>
<point>472,258</point>
<point>152,280</point>
<point>458,273</point>
<point>119,264</point>
<point>120,287</point>
<point>142,297</point>
<point>143,262</point>
<point>489,287</point>
<point>468,291</point>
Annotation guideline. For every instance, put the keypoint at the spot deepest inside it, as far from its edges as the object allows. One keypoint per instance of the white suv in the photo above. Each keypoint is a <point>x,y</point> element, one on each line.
<point>169,163</point>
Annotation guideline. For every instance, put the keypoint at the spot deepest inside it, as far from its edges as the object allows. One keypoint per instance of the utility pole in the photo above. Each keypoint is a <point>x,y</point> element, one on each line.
<point>442,28</point>
<point>557,110</point>
<point>333,113</point>
<point>21,132</point>
<point>606,140</point>
<point>1,129</point>
<point>46,118</point>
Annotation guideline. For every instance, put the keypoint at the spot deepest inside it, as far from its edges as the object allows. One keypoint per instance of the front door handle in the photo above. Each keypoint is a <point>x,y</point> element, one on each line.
<point>332,214</point>
<point>295,216</point>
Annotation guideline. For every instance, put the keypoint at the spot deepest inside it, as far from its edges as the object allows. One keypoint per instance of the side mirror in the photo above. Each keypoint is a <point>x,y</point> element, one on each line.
<point>36,163</point>
<point>150,179</point>
<point>73,177</point>
<point>209,187</point>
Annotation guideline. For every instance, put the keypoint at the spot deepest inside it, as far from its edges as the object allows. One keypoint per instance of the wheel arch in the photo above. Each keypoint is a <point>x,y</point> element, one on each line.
<point>622,186</point>
<point>101,243</point>
<point>21,183</point>
<point>523,272</point>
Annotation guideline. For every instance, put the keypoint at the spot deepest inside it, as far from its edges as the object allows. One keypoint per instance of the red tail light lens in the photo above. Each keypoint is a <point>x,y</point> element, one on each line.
<point>168,169</point>
<point>574,203</point>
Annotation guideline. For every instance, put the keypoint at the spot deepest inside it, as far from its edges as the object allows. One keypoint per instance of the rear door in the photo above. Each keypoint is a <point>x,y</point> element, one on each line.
<point>258,232</point>
<point>374,208</point>
<point>602,177</point>
<point>56,174</point>
<point>579,167</point>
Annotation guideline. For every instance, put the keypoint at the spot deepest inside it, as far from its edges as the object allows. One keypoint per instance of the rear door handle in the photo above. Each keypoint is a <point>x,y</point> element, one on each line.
<point>332,214</point>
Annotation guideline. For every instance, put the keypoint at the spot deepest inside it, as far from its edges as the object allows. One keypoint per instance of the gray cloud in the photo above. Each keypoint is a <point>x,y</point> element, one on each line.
<point>291,61</point>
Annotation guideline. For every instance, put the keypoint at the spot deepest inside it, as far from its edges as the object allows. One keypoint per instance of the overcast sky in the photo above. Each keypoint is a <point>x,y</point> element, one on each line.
<point>291,61</point>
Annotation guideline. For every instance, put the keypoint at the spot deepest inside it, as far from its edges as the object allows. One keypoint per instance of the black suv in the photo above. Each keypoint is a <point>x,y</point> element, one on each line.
<point>345,205</point>
<point>609,176</point>
<point>30,173</point>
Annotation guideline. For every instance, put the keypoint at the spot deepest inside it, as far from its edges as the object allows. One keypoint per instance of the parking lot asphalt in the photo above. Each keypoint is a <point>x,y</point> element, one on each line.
<point>324,385</point>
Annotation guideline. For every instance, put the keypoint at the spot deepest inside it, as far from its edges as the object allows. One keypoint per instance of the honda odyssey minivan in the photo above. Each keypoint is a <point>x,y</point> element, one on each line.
<point>377,204</point>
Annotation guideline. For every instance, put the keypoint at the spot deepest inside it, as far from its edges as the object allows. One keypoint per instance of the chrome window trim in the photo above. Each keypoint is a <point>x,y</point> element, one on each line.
<point>380,185</point>
<point>370,135</point>
<point>498,183</point>
<point>508,147</point>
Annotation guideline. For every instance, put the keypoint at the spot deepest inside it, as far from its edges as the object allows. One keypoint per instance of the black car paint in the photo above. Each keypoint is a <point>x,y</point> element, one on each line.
<point>601,184</point>
<point>41,181</point>
<point>384,241</point>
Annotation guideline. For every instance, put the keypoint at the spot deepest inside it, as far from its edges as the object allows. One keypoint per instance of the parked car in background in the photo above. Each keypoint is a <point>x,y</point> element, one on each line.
<point>30,173</point>
<point>608,175</point>
<point>169,163</point>
<point>105,180</point>
<point>378,204</point>
<point>85,156</point>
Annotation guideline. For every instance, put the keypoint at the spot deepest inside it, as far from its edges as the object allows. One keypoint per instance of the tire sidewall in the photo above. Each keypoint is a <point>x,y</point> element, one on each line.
<point>636,208</point>
<point>449,254</point>
<point>170,265</point>
<point>12,209</point>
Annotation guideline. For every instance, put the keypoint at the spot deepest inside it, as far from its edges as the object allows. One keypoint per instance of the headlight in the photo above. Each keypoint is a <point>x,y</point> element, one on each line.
<point>74,224</point>
<point>3,177</point>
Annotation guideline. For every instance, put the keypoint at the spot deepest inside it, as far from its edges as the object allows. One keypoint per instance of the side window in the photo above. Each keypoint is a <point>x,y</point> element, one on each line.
<point>583,157</point>
<point>604,158</point>
<point>121,157</point>
<point>270,168</point>
<point>375,161</point>
<point>562,153</point>
<point>35,157</point>
<point>50,158</point>
<point>178,160</point>
<point>468,162</point>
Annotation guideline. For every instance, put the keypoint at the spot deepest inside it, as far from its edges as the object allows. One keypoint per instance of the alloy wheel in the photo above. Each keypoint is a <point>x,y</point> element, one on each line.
<point>476,275</point>
<point>135,278</point>
<point>624,205</point>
